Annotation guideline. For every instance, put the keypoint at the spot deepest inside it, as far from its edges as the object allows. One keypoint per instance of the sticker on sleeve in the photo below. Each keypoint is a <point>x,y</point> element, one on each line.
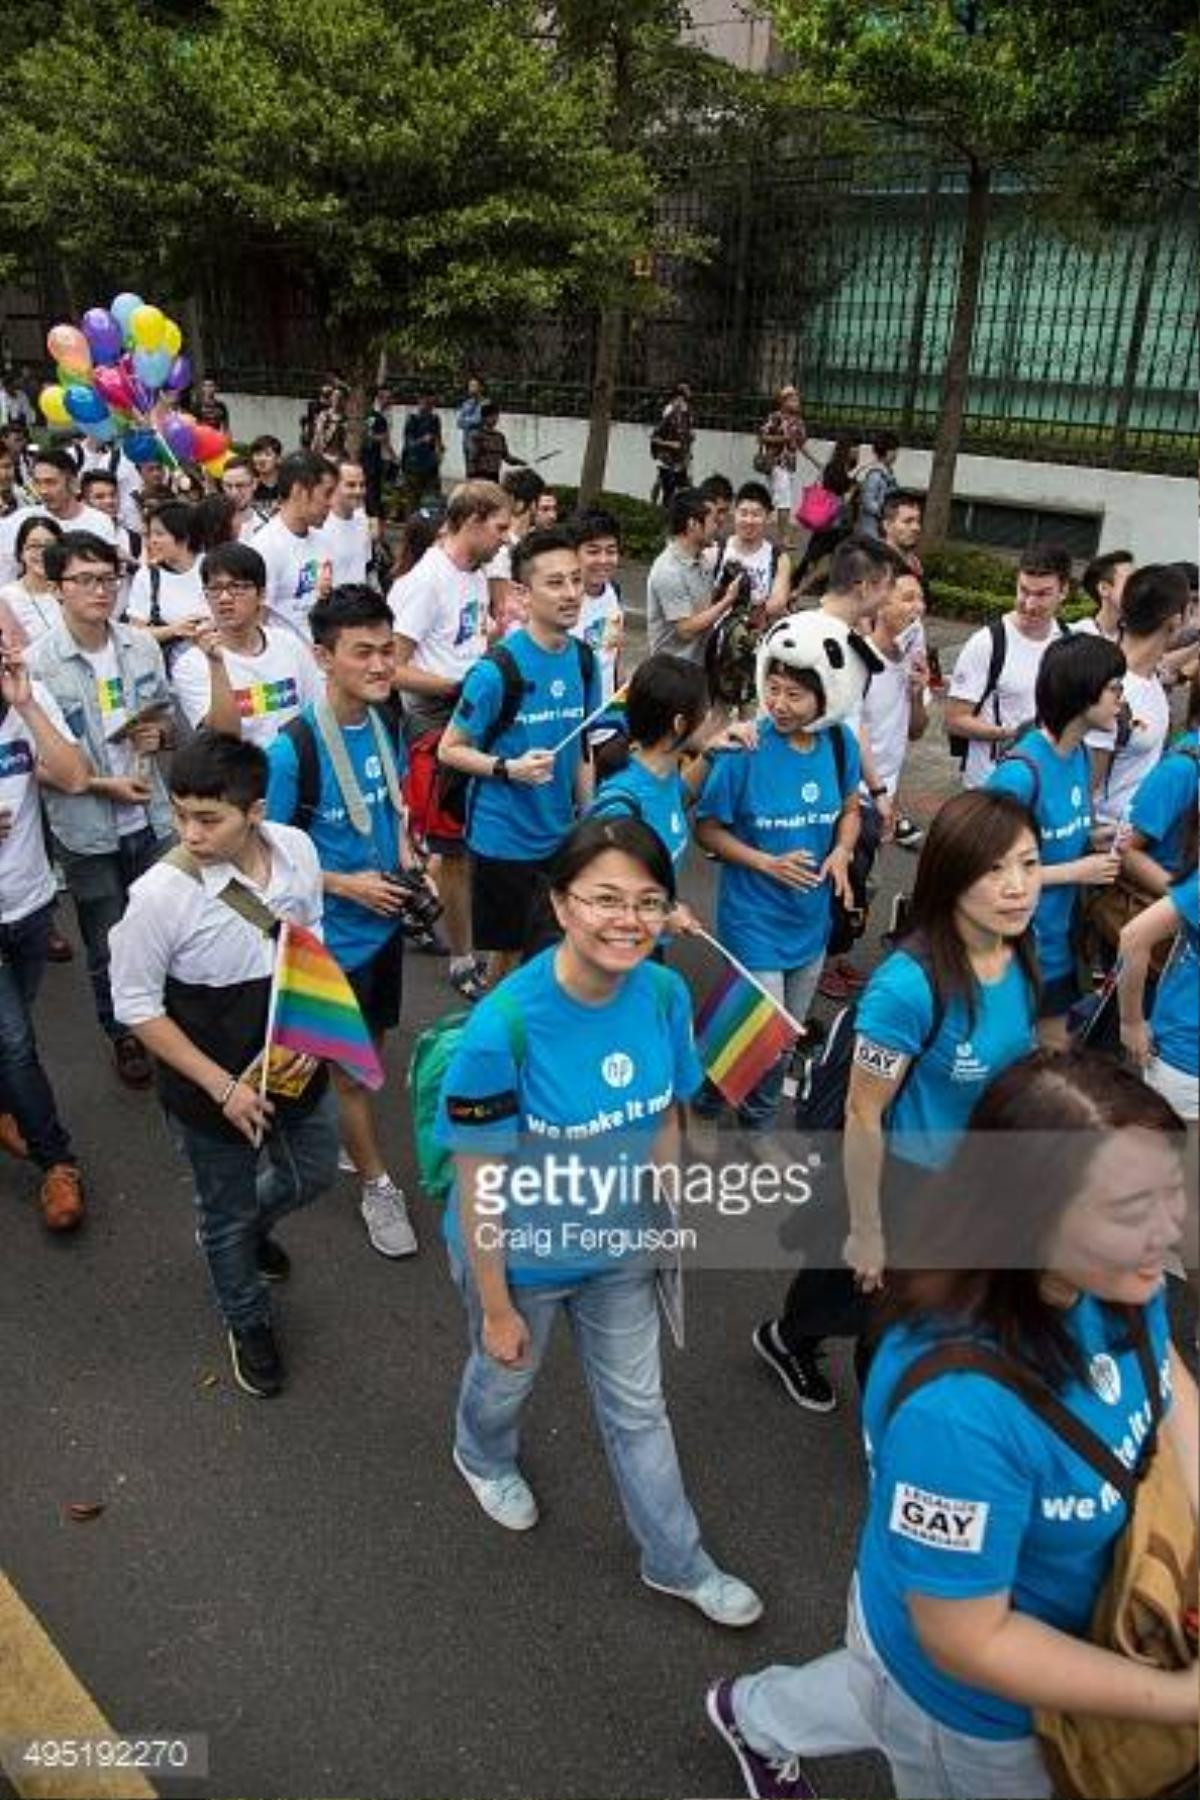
<point>481,1109</point>
<point>937,1521</point>
<point>877,1059</point>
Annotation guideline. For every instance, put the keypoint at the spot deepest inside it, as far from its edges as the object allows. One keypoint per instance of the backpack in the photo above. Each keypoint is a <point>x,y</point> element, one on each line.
<point>847,924</point>
<point>308,765</point>
<point>959,745</point>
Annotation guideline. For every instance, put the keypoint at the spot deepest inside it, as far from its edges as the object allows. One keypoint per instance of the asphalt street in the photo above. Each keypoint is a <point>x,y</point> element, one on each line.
<point>308,1581</point>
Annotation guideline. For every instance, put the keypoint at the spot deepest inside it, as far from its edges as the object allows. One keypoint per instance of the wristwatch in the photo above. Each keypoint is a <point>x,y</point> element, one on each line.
<point>876,792</point>
<point>500,769</point>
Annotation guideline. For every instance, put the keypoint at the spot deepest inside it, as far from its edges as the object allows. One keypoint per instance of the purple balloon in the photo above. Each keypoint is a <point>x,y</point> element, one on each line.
<point>179,375</point>
<point>143,397</point>
<point>178,435</point>
<point>103,335</point>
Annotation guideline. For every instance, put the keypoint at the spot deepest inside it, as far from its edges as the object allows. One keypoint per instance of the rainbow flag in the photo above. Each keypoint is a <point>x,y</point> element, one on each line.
<point>263,697</point>
<point>316,1012</point>
<point>740,1035</point>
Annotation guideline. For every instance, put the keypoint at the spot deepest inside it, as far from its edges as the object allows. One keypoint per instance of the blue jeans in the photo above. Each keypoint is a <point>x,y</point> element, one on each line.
<point>242,1192</point>
<point>614,1317</point>
<point>99,886</point>
<point>24,1089</point>
<point>793,988</point>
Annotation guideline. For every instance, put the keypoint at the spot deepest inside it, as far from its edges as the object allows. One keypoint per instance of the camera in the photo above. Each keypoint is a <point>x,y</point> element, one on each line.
<point>736,580</point>
<point>421,905</point>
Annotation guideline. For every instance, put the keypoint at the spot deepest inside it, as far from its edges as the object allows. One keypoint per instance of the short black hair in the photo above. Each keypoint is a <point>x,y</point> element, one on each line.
<point>1047,559</point>
<point>353,603</point>
<point>267,441</point>
<point>756,491</point>
<point>212,521</point>
<point>884,442</point>
<point>97,478</point>
<point>1072,675</point>
<point>1153,595</point>
<point>212,765</point>
<point>178,520</point>
<point>241,562</point>
<point>687,504</point>
<point>1191,570</point>
<point>78,546</point>
<point>858,559</point>
<point>716,487</point>
<point>489,410</point>
<point>31,524</point>
<point>303,469</point>
<point>523,485</point>
<point>586,527</point>
<point>901,497</point>
<point>593,837</point>
<point>662,688</point>
<point>539,543</point>
<point>54,458</point>
<point>1103,568</point>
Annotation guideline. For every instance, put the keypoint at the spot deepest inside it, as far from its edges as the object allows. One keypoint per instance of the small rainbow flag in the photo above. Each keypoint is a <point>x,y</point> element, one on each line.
<point>316,1012</point>
<point>263,697</point>
<point>740,1035</point>
<point>111,694</point>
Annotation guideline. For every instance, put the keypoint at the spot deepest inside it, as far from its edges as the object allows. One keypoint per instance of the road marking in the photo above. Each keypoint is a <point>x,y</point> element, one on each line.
<point>41,1697</point>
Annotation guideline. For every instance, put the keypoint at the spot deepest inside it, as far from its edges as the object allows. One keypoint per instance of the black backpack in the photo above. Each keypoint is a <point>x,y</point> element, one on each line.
<point>308,763</point>
<point>959,745</point>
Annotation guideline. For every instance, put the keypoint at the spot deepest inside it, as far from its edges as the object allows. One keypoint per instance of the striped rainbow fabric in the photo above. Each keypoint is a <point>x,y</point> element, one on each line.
<point>316,1011</point>
<point>740,1035</point>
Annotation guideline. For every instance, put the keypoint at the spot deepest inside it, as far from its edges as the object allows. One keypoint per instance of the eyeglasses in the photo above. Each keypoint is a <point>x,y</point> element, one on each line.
<point>214,592</point>
<point>93,584</point>
<point>652,909</point>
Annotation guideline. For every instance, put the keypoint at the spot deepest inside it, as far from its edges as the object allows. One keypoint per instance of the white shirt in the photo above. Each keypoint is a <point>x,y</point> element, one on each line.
<point>601,624</point>
<point>36,614</point>
<point>443,610</point>
<point>175,926</point>
<point>180,595</point>
<point>756,562</point>
<point>269,686</point>
<point>885,713</point>
<point>295,566</point>
<point>349,542</point>
<point>1150,710</point>
<point>122,757</point>
<point>127,477</point>
<point>1012,703</point>
<point>26,882</point>
<point>88,518</point>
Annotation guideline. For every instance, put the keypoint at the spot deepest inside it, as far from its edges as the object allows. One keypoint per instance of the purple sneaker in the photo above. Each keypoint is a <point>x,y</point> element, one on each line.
<point>765,1778</point>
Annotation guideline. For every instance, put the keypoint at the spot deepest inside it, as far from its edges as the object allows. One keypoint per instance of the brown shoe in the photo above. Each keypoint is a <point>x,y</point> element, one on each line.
<point>58,948</point>
<point>10,1137</point>
<point>134,1067</point>
<point>62,1197</point>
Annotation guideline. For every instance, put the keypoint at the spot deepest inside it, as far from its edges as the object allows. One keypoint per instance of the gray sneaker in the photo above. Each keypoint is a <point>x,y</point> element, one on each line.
<point>723,1598</point>
<point>385,1216</point>
<point>508,1499</point>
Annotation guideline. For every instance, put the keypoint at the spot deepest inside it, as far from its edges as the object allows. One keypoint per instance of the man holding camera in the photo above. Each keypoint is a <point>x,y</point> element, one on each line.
<point>336,771</point>
<point>682,606</point>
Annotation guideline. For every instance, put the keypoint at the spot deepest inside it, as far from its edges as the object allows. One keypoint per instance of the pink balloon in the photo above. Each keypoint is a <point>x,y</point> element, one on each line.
<point>115,386</point>
<point>67,344</point>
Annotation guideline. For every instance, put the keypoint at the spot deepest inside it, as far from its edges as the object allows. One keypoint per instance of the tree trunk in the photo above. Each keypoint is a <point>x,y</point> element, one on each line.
<point>190,318</point>
<point>916,339</point>
<point>609,338</point>
<point>1137,332</point>
<point>956,379</point>
<point>361,366</point>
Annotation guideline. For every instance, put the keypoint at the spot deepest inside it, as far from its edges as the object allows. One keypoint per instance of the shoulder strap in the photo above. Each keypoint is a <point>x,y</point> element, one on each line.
<point>512,693</point>
<point>999,651</point>
<point>918,949</point>
<point>156,617</point>
<point>962,1357</point>
<point>837,744</point>
<point>234,894</point>
<point>587,666</point>
<point>514,1020</point>
<point>1027,762</point>
<point>308,770</point>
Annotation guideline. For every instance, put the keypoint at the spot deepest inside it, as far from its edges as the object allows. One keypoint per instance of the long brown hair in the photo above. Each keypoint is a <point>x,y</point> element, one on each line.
<point>969,834</point>
<point>1022,1162</point>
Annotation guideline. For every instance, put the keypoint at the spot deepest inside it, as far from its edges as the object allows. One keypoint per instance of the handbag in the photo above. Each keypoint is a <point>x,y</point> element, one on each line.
<point>1146,1610</point>
<point>818,508</point>
<point>1105,913</point>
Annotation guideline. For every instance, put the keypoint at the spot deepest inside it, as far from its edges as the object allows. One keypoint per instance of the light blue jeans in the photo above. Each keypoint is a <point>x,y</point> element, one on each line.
<point>614,1318</point>
<point>793,988</point>
<point>848,1702</point>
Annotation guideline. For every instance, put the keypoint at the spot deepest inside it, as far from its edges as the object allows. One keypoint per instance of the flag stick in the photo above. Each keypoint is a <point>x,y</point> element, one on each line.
<point>272,1008</point>
<point>590,720</point>
<point>744,972</point>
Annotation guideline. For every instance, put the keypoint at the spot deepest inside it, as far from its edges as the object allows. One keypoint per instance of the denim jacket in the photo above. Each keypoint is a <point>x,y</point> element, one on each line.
<point>86,823</point>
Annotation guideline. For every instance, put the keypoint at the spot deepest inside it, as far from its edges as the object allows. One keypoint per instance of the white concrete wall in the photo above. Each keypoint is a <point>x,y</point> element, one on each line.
<point>1154,516</point>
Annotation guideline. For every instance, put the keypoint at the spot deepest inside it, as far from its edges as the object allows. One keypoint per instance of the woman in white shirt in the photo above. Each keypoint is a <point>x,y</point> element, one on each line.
<point>166,596</point>
<point>1151,607</point>
<point>29,605</point>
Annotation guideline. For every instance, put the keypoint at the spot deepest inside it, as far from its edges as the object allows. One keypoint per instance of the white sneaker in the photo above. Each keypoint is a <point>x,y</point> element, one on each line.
<point>508,1499</point>
<point>386,1218</point>
<point>345,1161</point>
<point>720,1597</point>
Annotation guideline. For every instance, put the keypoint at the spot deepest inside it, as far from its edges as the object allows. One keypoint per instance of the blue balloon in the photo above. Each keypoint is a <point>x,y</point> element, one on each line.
<point>85,405</point>
<point>123,309</point>
<point>142,446</point>
<point>103,430</point>
<point>152,366</point>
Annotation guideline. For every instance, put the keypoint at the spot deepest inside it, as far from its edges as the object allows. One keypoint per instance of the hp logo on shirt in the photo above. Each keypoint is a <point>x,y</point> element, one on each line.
<point>1076,796</point>
<point>617,1070</point>
<point>1106,1379</point>
<point>810,792</point>
<point>557,689</point>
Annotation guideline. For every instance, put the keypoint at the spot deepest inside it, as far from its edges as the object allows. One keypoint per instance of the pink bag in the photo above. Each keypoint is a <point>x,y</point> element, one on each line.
<point>817,508</point>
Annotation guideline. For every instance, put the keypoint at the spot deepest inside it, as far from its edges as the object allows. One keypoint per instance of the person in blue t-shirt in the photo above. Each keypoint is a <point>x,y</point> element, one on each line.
<point>783,820</point>
<point>527,781</point>
<point>952,1007</point>
<point>357,820</point>
<point>988,1537</point>
<point>1164,808</point>
<point>1078,690</point>
<point>1167,1050</point>
<point>561,1108</point>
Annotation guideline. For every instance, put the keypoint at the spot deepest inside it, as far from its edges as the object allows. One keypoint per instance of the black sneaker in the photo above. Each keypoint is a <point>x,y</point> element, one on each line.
<point>274,1263</point>
<point>907,834</point>
<point>255,1357</point>
<point>803,1375</point>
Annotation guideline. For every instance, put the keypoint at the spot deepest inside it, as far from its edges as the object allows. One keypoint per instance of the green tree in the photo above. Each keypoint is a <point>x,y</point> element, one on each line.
<point>1063,91</point>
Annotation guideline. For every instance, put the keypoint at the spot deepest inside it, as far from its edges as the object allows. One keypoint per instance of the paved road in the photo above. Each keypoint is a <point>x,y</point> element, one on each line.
<point>308,1581</point>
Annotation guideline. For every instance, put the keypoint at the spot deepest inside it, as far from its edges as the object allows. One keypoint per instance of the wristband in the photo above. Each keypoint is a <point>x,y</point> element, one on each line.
<point>500,769</point>
<point>226,1093</point>
<point>875,792</point>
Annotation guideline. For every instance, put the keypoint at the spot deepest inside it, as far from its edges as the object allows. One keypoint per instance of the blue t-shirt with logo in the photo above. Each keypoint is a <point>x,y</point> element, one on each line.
<point>1057,791</point>
<point>569,1115</point>
<point>660,801</point>
<point>352,932</point>
<point>972,1494</point>
<point>777,798</point>
<point>509,819</point>
<point>1175,1021</point>
<point>895,1017</point>
<point>1165,801</point>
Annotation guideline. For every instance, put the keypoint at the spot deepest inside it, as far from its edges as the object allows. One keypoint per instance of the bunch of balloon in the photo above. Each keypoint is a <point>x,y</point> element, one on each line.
<point>118,380</point>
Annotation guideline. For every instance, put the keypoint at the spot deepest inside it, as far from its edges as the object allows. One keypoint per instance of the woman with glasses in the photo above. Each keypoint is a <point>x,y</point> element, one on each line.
<point>29,605</point>
<point>1079,689</point>
<point>560,1104</point>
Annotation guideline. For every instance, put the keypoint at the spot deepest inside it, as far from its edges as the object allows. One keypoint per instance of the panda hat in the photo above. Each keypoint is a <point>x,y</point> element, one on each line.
<point>842,661</point>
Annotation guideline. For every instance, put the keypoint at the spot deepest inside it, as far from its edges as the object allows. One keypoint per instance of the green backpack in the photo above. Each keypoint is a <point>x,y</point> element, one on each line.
<point>432,1054</point>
